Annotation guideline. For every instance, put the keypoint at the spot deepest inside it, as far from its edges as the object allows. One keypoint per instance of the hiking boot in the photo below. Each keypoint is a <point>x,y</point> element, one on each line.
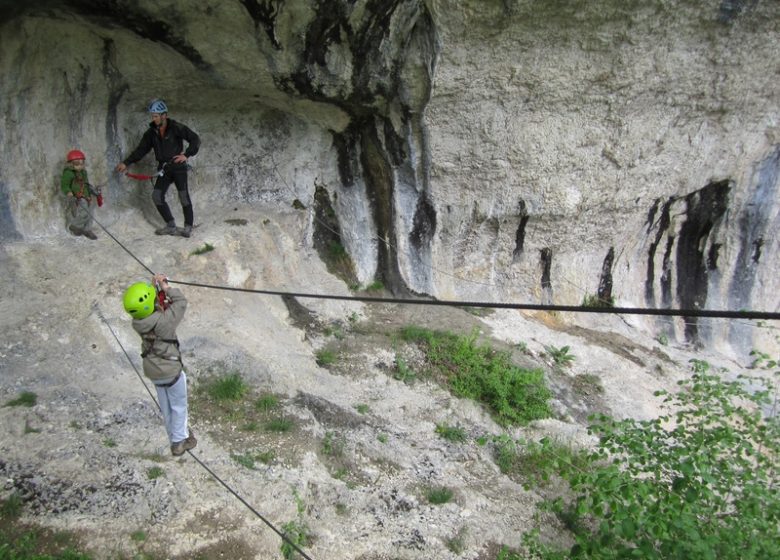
<point>170,229</point>
<point>180,447</point>
<point>89,234</point>
<point>76,231</point>
<point>186,231</point>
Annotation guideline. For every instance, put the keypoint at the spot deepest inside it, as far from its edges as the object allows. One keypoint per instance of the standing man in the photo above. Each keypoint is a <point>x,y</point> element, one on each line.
<point>166,137</point>
<point>156,319</point>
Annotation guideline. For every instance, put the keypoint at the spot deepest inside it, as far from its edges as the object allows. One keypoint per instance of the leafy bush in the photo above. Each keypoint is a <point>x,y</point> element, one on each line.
<point>297,532</point>
<point>513,395</point>
<point>698,482</point>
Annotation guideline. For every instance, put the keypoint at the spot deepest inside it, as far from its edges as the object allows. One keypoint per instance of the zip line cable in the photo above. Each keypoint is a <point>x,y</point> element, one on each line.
<point>494,305</point>
<point>606,309</point>
<point>746,315</point>
<point>197,459</point>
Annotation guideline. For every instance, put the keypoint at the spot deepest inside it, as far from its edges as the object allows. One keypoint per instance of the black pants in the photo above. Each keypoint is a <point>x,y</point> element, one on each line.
<point>178,176</point>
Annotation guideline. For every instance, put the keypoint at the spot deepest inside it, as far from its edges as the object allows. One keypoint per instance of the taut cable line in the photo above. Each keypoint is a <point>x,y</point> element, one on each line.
<point>711,313</point>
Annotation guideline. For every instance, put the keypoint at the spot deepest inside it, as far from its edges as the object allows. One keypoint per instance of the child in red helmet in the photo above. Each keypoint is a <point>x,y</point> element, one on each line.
<point>76,187</point>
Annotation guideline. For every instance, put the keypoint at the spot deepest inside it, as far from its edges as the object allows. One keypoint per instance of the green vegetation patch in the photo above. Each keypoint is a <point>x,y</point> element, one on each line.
<point>26,398</point>
<point>230,387</point>
<point>700,481</point>
<point>513,395</point>
<point>206,248</point>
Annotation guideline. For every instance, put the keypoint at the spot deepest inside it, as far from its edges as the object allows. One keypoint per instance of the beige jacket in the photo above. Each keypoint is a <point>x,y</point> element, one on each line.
<point>159,345</point>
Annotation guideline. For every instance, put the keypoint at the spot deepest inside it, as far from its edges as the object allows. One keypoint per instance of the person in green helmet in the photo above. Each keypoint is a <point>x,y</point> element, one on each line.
<point>156,320</point>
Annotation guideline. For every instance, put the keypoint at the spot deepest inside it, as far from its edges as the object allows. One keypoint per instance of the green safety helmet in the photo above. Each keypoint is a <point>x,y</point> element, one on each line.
<point>139,300</point>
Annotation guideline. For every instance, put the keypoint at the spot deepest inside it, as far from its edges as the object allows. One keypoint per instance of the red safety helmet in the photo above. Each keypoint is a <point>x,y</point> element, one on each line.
<point>76,154</point>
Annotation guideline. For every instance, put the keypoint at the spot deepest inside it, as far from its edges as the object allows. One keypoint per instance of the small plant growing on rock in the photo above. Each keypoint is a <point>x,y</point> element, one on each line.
<point>561,356</point>
<point>266,402</point>
<point>455,434</point>
<point>230,387</point>
<point>325,357</point>
<point>438,495</point>
<point>207,248</point>
<point>403,371</point>
<point>26,398</point>
<point>279,425</point>
<point>154,472</point>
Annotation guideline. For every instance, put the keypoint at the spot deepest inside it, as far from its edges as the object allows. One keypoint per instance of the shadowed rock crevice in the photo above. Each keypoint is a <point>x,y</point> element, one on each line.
<point>380,186</point>
<point>520,234</point>
<point>7,228</point>
<point>545,257</point>
<point>327,238</point>
<point>704,211</point>
<point>661,229</point>
<point>117,87</point>
<point>605,282</point>
<point>264,14</point>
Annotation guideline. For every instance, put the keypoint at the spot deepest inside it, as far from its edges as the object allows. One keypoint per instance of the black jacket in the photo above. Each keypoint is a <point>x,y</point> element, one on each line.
<point>165,149</point>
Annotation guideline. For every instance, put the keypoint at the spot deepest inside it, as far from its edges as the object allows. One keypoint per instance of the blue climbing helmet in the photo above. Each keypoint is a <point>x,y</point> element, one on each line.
<point>158,106</point>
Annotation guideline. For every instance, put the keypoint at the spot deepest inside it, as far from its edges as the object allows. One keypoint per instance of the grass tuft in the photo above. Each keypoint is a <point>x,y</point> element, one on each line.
<point>228,388</point>
<point>439,495</point>
<point>26,398</point>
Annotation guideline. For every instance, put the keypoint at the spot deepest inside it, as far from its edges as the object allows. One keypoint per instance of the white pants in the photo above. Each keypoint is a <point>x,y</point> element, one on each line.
<point>173,402</point>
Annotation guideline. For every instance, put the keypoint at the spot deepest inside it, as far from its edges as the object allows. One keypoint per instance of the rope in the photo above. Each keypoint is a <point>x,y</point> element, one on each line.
<point>499,305</point>
<point>195,457</point>
<point>753,315</point>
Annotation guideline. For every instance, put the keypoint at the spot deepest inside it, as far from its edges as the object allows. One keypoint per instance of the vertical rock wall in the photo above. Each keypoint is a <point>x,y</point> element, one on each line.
<point>551,152</point>
<point>580,149</point>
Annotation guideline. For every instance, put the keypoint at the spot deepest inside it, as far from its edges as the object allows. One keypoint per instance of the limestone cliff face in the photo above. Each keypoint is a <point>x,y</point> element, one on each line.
<point>488,150</point>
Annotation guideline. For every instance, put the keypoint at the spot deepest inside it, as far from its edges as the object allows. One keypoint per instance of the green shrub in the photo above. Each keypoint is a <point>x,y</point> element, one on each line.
<point>296,532</point>
<point>700,481</point>
<point>512,394</point>
<point>230,387</point>
<point>325,357</point>
<point>333,444</point>
<point>245,459</point>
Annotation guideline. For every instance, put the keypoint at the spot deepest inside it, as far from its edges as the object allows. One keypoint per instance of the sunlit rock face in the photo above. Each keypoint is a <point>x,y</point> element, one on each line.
<point>488,150</point>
